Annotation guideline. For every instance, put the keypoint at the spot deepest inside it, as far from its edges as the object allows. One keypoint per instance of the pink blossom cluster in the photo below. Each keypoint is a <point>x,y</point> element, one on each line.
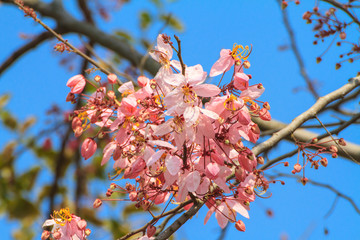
<point>177,136</point>
<point>65,226</point>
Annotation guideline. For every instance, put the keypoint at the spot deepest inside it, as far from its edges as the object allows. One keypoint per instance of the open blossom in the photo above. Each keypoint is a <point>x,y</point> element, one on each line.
<point>228,58</point>
<point>178,138</point>
<point>65,226</point>
<point>76,83</point>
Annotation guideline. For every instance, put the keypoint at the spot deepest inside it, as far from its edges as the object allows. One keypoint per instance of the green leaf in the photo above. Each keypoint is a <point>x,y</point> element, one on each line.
<point>145,20</point>
<point>4,99</point>
<point>8,120</point>
<point>30,121</point>
<point>26,180</point>
<point>19,208</point>
<point>124,36</point>
<point>173,22</point>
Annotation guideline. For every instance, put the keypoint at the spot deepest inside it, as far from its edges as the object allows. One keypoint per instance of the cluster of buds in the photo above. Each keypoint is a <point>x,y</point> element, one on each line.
<point>314,158</point>
<point>62,47</point>
<point>328,24</point>
<point>29,12</point>
<point>178,137</point>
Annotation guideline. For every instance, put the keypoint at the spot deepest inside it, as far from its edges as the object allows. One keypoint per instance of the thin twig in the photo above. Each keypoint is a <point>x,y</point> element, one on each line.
<point>61,39</point>
<point>297,54</point>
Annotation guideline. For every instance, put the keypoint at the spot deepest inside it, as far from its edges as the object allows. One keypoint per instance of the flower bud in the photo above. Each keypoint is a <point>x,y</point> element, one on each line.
<point>337,66</point>
<point>333,149</point>
<point>76,83</point>
<point>97,78</point>
<point>307,15</point>
<point>286,164</point>
<point>88,148</point>
<point>150,231</point>
<point>334,155</point>
<point>87,232</point>
<point>284,4</point>
<point>264,114</point>
<point>297,167</point>
<point>81,224</point>
<point>324,162</point>
<point>142,81</point>
<point>341,142</point>
<point>45,235</point>
<point>112,78</point>
<point>260,160</point>
<point>97,203</point>
<point>57,235</point>
<point>266,105</point>
<point>133,196</point>
<point>239,225</point>
<point>342,35</point>
<point>111,94</point>
<point>318,59</point>
<point>240,174</point>
<point>247,64</point>
<point>314,140</point>
<point>304,180</point>
<point>70,97</point>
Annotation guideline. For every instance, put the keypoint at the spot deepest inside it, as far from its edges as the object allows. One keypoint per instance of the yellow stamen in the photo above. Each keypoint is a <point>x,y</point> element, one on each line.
<point>229,103</point>
<point>240,52</point>
<point>64,215</point>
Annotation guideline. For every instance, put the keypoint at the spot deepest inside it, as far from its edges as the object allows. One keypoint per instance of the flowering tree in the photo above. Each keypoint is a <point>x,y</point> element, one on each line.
<point>176,143</point>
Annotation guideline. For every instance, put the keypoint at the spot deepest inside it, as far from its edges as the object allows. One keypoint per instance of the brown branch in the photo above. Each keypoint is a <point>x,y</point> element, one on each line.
<point>180,221</point>
<point>344,9</point>
<point>68,22</point>
<point>183,67</point>
<point>24,49</point>
<point>310,113</point>
<point>156,218</point>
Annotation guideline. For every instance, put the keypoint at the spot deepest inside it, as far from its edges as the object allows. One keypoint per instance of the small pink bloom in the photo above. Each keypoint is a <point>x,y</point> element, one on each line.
<point>45,235</point>
<point>223,64</point>
<point>143,81</point>
<point>88,148</point>
<point>150,230</point>
<point>264,114</point>
<point>76,83</point>
<point>112,78</point>
<point>81,224</point>
<point>239,225</point>
<point>241,81</point>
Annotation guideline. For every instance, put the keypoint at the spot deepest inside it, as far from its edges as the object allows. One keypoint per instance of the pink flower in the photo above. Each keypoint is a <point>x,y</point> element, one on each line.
<point>88,148</point>
<point>112,78</point>
<point>66,226</point>
<point>76,83</point>
<point>228,58</point>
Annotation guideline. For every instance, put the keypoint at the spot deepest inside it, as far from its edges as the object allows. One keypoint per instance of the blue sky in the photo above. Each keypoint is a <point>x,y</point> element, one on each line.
<point>37,81</point>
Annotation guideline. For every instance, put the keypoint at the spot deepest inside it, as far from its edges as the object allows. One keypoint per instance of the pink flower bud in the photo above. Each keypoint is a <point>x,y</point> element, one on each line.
<point>45,235</point>
<point>150,231</point>
<point>297,167</point>
<point>76,83</point>
<point>304,180</point>
<point>133,196</point>
<point>87,232</point>
<point>76,122</point>
<point>264,114</point>
<point>260,160</point>
<point>324,162</point>
<point>333,149</point>
<point>112,78</point>
<point>81,224</point>
<point>57,235</point>
<point>142,81</point>
<point>97,203</point>
<point>88,148</point>
<point>239,225</point>
<point>47,145</point>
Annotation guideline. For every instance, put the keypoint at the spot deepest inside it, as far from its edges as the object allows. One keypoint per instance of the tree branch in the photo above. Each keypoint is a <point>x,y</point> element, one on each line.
<point>310,113</point>
<point>180,221</point>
